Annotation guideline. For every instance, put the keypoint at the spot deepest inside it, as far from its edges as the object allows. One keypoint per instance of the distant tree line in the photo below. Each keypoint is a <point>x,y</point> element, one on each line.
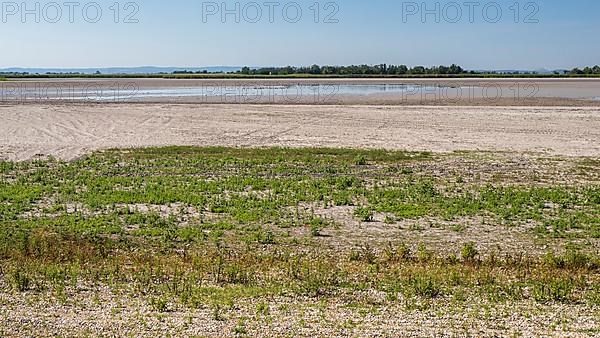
<point>381,69</point>
<point>190,72</point>
<point>586,70</point>
<point>342,71</point>
<point>385,69</point>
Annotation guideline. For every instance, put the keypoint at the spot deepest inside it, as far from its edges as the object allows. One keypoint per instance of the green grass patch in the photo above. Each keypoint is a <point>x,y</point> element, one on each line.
<point>207,226</point>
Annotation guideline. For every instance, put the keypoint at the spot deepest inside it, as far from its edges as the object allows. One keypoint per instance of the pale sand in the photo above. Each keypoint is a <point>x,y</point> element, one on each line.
<point>69,131</point>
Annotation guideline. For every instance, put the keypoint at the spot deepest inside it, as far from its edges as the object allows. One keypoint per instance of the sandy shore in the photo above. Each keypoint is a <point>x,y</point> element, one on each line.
<point>69,131</point>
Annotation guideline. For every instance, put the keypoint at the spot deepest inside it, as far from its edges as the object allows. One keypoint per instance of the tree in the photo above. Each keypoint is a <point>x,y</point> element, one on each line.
<point>418,70</point>
<point>577,71</point>
<point>455,69</point>
<point>402,69</point>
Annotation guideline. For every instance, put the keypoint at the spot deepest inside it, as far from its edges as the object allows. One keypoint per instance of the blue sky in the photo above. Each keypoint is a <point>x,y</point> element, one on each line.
<point>176,33</point>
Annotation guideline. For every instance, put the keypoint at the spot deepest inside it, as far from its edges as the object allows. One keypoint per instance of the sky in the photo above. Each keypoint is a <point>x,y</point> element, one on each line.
<point>500,34</point>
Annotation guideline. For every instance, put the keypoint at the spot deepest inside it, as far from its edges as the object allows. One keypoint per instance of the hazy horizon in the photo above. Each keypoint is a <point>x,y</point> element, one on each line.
<point>532,35</point>
<point>216,67</point>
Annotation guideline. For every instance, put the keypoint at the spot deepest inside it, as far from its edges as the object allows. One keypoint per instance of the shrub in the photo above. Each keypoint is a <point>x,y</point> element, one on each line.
<point>342,198</point>
<point>268,237</point>
<point>423,254</point>
<point>365,255</point>
<point>316,225</point>
<point>594,296</point>
<point>572,259</point>
<point>401,253</point>
<point>360,160</point>
<point>20,280</point>
<point>424,286</point>
<point>556,290</point>
<point>262,309</point>
<point>159,304</point>
<point>364,214</point>
<point>469,252</point>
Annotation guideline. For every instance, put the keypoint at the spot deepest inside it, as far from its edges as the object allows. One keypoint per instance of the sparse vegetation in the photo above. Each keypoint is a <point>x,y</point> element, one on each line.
<point>209,227</point>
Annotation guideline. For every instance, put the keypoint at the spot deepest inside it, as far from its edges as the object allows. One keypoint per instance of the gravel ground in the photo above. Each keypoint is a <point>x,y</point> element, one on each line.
<point>100,312</point>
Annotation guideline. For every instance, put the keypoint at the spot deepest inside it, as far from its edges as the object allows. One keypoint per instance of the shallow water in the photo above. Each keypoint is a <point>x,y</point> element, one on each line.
<point>130,92</point>
<point>242,93</point>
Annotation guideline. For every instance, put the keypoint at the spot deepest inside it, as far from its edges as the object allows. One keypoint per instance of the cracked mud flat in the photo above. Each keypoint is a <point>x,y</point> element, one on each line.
<point>69,131</point>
